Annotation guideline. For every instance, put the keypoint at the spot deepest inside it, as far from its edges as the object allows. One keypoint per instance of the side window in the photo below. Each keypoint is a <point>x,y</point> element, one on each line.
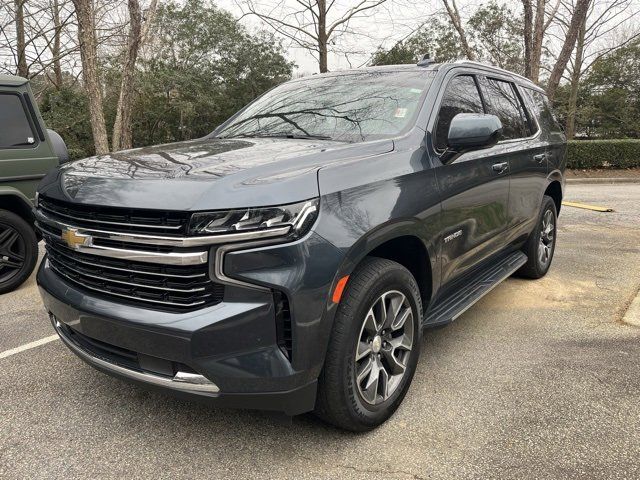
<point>15,130</point>
<point>461,96</point>
<point>544,113</point>
<point>505,104</point>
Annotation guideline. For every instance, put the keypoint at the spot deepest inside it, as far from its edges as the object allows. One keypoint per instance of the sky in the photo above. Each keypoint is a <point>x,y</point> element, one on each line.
<point>386,25</point>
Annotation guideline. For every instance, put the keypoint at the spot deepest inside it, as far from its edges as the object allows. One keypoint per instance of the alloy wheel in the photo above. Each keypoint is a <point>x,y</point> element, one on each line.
<point>547,237</point>
<point>12,252</point>
<point>384,347</point>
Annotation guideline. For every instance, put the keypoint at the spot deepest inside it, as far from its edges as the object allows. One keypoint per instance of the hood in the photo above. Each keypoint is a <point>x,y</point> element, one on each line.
<point>204,174</point>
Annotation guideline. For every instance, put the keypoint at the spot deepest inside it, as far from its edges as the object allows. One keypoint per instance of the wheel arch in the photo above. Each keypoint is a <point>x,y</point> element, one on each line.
<point>554,190</point>
<point>401,243</point>
<point>16,202</point>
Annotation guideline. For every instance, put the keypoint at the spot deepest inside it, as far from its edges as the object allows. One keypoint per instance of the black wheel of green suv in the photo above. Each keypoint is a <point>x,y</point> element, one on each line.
<point>18,251</point>
<point>542,242</point>
<point>374,347</point>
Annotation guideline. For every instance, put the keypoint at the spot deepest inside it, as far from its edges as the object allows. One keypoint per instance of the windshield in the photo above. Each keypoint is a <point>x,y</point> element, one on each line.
<point>351,107</point>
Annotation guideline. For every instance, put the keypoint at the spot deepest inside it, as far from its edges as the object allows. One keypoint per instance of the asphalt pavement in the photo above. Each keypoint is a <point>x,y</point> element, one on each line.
<point>540,380</point>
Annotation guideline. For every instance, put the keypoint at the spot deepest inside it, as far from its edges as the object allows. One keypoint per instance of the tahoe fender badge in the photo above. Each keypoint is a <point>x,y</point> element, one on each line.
<point>448,238</point>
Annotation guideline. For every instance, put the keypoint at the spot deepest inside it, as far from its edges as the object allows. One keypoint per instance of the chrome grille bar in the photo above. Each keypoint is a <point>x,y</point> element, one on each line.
<point>180,242</point>
<point>170,258</point>
<point>43,207</point>
<point>131,284</point>
<point>130,297</point>
<point>130,270</point>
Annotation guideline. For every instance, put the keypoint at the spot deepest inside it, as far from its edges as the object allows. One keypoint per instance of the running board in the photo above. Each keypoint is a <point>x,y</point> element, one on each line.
<point>455,304</point>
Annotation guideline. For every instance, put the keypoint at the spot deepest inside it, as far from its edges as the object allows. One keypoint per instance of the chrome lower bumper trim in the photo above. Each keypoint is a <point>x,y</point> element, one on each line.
<point>182,381</point>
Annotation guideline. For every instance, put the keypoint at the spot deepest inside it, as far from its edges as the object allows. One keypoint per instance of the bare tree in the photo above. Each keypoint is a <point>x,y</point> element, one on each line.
<point>577,19</point>
<point>599,35</point>
<point>122,125</point>
<point>534,31</point>
<point>575,81</point>
<point>55,49</point>
<point>454,15</point>
<point>307,24</point>
<point>21,47</point>
<point>89,55</point>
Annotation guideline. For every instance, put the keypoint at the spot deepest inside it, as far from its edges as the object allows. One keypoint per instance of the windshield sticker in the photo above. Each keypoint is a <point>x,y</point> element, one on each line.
<point>401,113</point>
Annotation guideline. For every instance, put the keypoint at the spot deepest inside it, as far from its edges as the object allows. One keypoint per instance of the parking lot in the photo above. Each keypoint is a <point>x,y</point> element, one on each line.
<point>540,379</point>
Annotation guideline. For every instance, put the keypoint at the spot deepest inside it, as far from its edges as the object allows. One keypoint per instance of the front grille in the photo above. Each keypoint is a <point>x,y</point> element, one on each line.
<point>116,219</point>
<point>151,285</point>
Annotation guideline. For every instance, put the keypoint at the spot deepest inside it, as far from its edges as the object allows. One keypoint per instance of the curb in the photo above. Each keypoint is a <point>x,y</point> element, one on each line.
<point>592,181</point>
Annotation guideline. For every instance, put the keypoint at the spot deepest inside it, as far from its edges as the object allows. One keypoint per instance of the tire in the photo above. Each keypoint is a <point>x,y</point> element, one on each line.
<point>541,243</point>
<point>18,251</point>
<point>342,400</point>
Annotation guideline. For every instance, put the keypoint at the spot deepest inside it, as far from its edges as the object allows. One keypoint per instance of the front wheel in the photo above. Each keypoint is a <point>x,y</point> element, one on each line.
<point>374,347</point>
<point>18,251</point>
<point>542,242</point>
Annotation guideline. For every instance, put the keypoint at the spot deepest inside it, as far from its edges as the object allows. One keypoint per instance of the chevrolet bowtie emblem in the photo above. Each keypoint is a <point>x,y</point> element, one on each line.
<point>73,239</point>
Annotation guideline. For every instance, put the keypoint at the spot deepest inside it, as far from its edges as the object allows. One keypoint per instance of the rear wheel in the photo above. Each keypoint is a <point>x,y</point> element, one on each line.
<point>542,242</point>
<point>18,251</point>
<point>374,347</point>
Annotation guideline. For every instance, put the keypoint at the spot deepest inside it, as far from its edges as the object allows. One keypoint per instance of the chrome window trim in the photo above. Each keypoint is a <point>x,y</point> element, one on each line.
<point>182,381</point>
<point>184,242</point>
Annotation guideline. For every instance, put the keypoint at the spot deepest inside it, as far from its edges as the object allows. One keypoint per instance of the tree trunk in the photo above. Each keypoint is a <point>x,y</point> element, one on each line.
<point>537,41</point>
<point>454,15</point>
<point>57,69</point>
<point>527,33</point>
<point>322,36</point>
<point>577,19</point>
<point>23,69</point>
<point>89,58</point>
<point>575,82</point>
<point>122,134</point>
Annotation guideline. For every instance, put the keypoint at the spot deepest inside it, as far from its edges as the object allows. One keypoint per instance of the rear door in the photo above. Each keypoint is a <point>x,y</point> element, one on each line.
<point>25,156</point>
<point>474,187</point>
<point>526,152</point>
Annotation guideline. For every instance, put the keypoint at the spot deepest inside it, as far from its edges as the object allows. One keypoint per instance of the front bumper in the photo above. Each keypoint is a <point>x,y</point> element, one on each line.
<point>226,354</point>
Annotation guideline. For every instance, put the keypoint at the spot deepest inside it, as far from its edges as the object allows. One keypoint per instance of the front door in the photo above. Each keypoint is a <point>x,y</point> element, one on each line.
<point>474,188</point>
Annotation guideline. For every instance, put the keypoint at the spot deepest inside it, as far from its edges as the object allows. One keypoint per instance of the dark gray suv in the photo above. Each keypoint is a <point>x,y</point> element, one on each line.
<point>290,260</point>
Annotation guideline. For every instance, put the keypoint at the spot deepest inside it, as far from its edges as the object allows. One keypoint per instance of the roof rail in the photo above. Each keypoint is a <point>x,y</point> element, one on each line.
<point>426,61</point>
<point>493,67</point>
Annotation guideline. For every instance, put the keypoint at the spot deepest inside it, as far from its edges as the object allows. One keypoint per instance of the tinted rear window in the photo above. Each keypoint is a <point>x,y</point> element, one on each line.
<point>543,112</point>
<point>15,130</point>
<point>505,104</point>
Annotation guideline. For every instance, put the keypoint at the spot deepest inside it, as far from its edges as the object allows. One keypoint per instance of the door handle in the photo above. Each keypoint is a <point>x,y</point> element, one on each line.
<point>500,167</point>
<point>540,157</point>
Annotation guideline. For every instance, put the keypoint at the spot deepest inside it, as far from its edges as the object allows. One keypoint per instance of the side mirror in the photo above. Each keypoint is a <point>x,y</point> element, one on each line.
<point>473,131</point>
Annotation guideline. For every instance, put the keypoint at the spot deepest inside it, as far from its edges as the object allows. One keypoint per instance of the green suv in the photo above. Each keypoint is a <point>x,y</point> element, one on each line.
<point>27,152</point>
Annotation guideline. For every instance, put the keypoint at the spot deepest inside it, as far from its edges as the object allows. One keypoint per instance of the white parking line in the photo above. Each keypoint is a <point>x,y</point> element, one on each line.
<point>28,346</point>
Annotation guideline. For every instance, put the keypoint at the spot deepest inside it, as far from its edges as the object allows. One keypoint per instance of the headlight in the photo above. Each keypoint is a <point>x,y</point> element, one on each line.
<point>293,220</point>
